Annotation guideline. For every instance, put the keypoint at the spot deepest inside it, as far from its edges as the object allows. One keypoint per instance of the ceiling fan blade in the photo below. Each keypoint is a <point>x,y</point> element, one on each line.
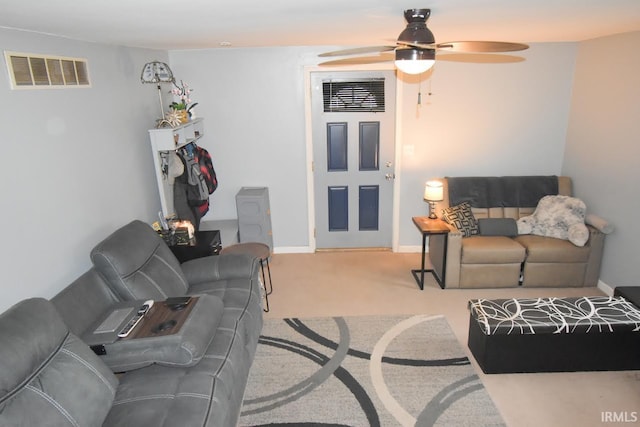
<point>485,58</point>
<point>479,46</point>
<point>359,60</point>
<point>358,51</point>
<point>409,45</point>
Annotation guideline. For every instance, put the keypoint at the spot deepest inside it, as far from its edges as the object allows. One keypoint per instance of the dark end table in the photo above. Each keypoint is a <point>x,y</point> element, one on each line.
<point>205,243</point>
<point>428,227</point>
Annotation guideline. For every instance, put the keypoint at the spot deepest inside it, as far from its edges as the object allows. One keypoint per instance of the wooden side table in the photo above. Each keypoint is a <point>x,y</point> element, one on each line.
<point>430,227</point>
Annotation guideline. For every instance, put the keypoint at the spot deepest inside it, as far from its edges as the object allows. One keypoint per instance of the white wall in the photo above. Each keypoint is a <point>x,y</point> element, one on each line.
<point>76,163</point>
<point>602,150</point>
<point>253,104</point>
<point>483,119</point>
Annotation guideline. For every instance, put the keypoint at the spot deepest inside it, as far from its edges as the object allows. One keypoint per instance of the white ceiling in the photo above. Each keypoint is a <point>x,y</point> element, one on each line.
<point>191,24</point>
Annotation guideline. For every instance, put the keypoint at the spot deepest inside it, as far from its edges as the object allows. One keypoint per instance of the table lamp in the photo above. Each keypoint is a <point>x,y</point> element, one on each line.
<point>433,193</point>
<point>157,72</point>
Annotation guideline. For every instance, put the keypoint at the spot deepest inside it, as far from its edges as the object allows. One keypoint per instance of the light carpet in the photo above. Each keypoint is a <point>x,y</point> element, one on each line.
<point>364,371</point>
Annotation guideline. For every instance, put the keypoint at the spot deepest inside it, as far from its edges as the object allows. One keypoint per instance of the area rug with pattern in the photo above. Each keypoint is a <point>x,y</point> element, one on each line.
<point>364,371</point>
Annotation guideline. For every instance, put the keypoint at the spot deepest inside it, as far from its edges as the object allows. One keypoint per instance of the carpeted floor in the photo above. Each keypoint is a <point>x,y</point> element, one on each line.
<point>364,371</point>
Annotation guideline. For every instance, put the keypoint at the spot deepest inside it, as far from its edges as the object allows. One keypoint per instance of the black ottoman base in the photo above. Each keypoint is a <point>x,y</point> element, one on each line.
<point>501,354</point>
<point>555,334</point>
<point>630,293</point>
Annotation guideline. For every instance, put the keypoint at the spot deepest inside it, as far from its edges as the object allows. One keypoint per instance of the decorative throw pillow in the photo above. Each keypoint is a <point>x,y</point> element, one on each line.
<point>461,217</point>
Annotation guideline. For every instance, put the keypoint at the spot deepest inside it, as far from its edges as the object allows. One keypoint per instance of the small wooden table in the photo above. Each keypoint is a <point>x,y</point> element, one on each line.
<point>430,227</point>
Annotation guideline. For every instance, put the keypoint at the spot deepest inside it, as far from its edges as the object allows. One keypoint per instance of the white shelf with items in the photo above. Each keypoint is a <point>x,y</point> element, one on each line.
<point>163,141</point>
<point>173,138</point>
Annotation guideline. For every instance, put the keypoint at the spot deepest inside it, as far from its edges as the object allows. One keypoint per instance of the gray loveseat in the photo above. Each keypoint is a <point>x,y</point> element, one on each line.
<point>510,260</point>
<point>51,377</point>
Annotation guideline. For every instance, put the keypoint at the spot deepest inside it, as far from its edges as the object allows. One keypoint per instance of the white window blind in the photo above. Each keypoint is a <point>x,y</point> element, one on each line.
<point>353,95</point>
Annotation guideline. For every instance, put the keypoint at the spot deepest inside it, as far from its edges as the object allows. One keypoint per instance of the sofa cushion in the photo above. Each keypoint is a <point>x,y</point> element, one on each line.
<point>138,264</point>
<point>159,396</point>
<point>491,250</point>
<point>49,377</point>
<point>546,249</point>
<point>83,301</point>
<point>461,217</point>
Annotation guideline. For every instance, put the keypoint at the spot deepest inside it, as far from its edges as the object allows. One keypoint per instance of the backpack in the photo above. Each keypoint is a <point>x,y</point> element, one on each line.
<point>197,188</point>
<point>206,168</point>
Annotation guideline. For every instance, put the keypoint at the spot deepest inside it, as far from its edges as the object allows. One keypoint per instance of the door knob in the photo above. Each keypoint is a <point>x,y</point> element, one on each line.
<point>389,176</point>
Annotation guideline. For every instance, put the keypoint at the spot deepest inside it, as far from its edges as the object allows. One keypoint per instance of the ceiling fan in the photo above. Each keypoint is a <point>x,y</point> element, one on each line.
<point>415,49</point>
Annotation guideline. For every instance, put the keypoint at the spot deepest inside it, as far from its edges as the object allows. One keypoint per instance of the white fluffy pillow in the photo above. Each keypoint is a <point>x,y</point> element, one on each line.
<point>578,234</point>
<point>561,217</point>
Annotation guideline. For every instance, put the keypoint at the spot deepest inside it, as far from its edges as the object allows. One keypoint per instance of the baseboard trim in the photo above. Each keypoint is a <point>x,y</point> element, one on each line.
<point>308,250</point>
<point>293,250</point>
<point>411,249</point>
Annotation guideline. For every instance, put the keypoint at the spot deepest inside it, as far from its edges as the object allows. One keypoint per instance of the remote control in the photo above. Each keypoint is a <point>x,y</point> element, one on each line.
<point>144,309</point>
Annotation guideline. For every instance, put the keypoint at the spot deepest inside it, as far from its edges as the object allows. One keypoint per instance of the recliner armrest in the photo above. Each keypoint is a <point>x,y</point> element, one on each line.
<point>219,267</point>
<point>600,223</point>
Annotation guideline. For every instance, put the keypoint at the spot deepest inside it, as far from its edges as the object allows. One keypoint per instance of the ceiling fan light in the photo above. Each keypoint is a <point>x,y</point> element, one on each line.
<point>415,61</point>
<point>415,66</point>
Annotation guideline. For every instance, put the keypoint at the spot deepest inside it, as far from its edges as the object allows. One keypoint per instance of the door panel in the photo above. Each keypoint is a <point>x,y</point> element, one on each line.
<point>369,146</point>
<point>353,151</point>
<point>338,208</point>
<point>336,147</point>
<point>369,204</point>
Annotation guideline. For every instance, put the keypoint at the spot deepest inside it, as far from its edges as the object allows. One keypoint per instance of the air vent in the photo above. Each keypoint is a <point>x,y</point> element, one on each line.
<point>353,95</point>
<point>30,71</point>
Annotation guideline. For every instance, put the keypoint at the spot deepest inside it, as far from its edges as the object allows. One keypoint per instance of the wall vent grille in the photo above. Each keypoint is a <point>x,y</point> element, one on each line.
<point>32,71</point>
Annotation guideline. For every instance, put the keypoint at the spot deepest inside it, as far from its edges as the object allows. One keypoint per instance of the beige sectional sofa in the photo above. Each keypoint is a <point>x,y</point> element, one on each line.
<point>491,261</point>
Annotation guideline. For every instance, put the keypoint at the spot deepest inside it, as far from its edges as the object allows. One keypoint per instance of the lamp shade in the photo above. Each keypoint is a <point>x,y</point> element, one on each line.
<point>433,191</point>
<point>156,72</point>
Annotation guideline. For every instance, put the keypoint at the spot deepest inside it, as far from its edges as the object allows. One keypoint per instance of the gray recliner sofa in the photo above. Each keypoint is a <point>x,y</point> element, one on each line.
<point>50,377</point>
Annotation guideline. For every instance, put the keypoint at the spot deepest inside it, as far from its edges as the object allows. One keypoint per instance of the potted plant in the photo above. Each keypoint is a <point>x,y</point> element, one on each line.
<point>183,106</point>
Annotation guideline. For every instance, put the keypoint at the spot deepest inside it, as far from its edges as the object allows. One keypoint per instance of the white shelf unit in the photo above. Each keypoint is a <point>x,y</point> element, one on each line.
<point>163,141</point>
